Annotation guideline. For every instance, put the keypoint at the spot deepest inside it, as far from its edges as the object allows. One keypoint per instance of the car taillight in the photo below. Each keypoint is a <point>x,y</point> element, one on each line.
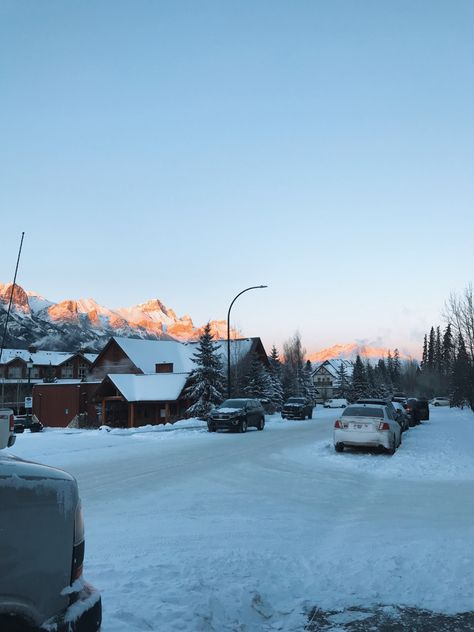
<point>12,423</point>
<point>338,424</point>
<point>78,545</point>
<point>383,425</point>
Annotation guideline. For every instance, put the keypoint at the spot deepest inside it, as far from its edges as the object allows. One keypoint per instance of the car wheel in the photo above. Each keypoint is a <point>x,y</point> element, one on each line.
<point>392,449</point>
<point>310,414</point>
<point>243,425</point>
<point>436,404</point>
<point>339,447</point>
<point>261,424</point>
<point>211,428</point>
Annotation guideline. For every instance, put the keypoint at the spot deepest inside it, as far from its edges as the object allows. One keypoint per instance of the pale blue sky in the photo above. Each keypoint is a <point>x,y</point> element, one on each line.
<point>187,150</point>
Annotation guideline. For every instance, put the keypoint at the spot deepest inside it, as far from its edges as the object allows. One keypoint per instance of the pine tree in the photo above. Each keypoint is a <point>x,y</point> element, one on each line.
<point>359,386</point>
<point>258,382</point>
<point>424,356</point>
<point>431,349</point>
<point>309,389</point>
<point>447,351</point>
<point>206,382</point>
<point>438,354</point>
<point>396,369</point>
<point>369,371</point>
<point>276,398</point>
<point>461,383</point>
<point>343,382</point>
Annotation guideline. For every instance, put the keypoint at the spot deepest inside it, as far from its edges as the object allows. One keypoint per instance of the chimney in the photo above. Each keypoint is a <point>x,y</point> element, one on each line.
<point>32,349</point>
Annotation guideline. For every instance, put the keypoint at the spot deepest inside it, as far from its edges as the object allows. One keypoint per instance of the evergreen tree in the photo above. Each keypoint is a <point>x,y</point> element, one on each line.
<point>258,383</point>
<point>390,366</point>
<point>359,386</point>
<point>461,384</point>
<point>277,397</point>
<point>396,369</point>
<point>309,389</point>
<point>424,356</point>
<point>343,382</point>
<point>431,349</point>
<point>438,354</point>
<point>370,373</point>
<point>206,382</point>
<point>447,352</point>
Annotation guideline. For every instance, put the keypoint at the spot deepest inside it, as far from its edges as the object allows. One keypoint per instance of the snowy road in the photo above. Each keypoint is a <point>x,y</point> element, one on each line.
<point>193,531</point>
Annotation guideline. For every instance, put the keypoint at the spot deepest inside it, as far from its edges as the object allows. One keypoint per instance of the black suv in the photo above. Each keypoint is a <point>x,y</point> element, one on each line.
<point>237,414</point>
<point>297,408</point>
<point>418,410</point>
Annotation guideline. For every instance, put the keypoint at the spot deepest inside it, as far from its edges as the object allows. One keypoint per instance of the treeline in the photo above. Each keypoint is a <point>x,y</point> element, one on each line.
<point>447,364</point>
<point>446,369</point>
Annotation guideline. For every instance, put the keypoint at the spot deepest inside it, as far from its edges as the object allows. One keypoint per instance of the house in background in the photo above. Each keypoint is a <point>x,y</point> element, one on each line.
<point>21,369</point>
<point>326,379</point>
<point>143,381</point>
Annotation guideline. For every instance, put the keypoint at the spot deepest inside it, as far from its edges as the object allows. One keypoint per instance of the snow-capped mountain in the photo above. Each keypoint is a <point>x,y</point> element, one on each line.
<point>351,350</point>
<point>72,324</point>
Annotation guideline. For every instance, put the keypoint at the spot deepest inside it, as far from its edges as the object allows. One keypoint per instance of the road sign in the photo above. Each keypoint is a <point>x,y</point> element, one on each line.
<point>28,402</point>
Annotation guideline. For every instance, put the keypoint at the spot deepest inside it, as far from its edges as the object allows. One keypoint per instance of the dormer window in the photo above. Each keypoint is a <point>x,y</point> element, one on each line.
<point>164,367</point>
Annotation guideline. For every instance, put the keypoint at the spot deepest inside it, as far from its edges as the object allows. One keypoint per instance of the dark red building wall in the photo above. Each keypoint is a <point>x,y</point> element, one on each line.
<point>57,404</point>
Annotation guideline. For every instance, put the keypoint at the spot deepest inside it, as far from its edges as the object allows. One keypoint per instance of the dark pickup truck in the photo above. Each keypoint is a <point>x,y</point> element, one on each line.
<point>297,408</point>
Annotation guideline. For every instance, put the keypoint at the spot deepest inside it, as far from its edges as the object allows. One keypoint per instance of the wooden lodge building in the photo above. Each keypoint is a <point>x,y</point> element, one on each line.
<point>133,382</point>
<point>21,369</point>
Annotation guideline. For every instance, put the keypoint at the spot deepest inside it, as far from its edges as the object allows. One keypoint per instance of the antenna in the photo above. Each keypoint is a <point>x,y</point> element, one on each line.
<point>10,302</point>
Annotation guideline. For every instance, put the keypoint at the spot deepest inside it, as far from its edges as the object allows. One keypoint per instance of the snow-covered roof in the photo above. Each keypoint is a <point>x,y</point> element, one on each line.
<point>146,354</point>
<point>333,366</point>
<point>45,358</point>
<point>149,388</point>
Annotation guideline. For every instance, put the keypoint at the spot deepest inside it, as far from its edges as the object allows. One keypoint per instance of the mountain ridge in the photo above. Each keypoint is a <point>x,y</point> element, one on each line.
<point>69,324</point>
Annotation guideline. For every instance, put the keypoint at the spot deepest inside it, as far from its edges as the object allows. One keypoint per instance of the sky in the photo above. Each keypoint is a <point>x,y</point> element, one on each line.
<point>187,150</point>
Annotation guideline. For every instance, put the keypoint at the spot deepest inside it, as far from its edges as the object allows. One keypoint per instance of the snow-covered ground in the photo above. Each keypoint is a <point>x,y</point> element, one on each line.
<point>193,531</point>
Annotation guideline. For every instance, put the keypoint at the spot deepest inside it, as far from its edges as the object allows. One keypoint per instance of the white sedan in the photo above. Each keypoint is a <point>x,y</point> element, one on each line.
<point>368,425</point>
<point>440,401</point>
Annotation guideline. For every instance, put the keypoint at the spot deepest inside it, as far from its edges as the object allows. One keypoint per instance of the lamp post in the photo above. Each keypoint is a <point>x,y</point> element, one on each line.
<point>29,366</point>
<point>254,287</point>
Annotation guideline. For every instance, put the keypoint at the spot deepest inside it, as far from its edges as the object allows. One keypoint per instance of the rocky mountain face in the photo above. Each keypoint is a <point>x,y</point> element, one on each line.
<point>75,324</point>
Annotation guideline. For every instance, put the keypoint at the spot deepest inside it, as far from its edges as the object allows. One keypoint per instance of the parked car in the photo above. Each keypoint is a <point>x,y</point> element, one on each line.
<point>336,403</point>
<point>42,549</point>
<point>403,417</point>
<point>379,401</point>
<point>368,425</point>
<point>418,409</point>
<point>297,408</point>
<point>237,414</point>
<point>440,401</point>
<point>7,428</point>
<point>27,422</point>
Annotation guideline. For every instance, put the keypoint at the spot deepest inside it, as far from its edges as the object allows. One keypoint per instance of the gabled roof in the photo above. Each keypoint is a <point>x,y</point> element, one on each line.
<point>43,358</point>
<point>146,354</point>
<point>149,388</point>
<point>333,366</point>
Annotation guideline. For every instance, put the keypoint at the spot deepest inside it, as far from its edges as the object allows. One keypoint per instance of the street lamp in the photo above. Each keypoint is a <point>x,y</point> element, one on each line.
<point>254,287</point>
<point>29,366</point>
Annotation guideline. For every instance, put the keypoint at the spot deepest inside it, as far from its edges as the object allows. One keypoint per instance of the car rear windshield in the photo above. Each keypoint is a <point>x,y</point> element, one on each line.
<point>295,400</point>
<point>363,411</point>
<point>233,403</point>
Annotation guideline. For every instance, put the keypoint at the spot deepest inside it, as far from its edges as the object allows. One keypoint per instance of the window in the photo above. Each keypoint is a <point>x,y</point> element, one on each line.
<point>67,370</point>
<point>83,370</point>
<point>14,371</point>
